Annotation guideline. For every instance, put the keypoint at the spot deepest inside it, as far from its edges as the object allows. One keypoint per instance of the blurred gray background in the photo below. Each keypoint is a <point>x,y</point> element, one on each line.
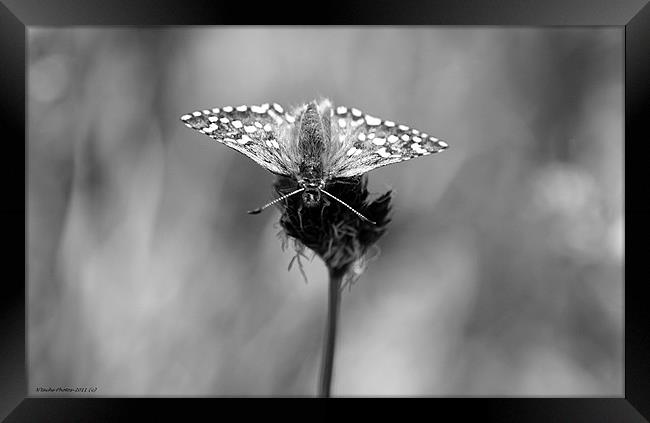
<point>501,273</point>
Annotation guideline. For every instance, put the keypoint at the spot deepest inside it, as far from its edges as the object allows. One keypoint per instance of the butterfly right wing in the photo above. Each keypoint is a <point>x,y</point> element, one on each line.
<point>361,143</point>
<point>263,133</point>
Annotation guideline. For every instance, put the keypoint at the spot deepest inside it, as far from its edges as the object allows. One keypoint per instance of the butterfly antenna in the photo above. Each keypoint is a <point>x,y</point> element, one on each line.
<point>355,212</point>
<point>259,209</point>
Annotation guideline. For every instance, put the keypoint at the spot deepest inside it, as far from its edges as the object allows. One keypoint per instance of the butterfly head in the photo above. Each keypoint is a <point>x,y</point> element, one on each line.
<point>311,196</point>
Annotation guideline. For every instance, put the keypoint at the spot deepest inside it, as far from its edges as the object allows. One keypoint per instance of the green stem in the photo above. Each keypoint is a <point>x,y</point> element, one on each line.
<point>327,363</point>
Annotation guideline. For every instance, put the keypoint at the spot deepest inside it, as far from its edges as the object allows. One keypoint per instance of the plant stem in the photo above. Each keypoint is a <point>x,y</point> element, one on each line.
<point>327,362</point>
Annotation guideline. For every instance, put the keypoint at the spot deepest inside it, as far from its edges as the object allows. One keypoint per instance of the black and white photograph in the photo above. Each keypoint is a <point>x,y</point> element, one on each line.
<point>381,211</point>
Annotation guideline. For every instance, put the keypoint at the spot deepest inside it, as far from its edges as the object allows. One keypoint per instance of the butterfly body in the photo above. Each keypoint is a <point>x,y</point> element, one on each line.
<point>312,140</point>
<point>313,143</point>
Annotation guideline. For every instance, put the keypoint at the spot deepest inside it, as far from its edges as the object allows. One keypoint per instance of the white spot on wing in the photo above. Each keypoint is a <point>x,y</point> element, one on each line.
<point>392,138</point>
<point>237,124</point>
<point>361,136</point>
<point>405,137</point>
<point>224,120</point>
<point>213,118</point>
<point>268,127</point>
<point>242,108</point>
<point>356,112</point>
<point>278,108</point>
<point>372,121</point>
<point>250,129</point>
<point>215,110</point>
<point>228,109</point>
<point>379,141</point>
<point>403,127</point>
<point>197,114</point>
<point>290,118</point>
<point>342,123</point>
<point>443,144</point>
<point>383,153</point>
<point>244,139</point>
<point>185,117</point>
<point>341,110</point>
<point>389,123</point>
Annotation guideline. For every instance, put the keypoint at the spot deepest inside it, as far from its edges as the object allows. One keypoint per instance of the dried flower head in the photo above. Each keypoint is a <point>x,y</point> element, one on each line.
<point>332,231</point>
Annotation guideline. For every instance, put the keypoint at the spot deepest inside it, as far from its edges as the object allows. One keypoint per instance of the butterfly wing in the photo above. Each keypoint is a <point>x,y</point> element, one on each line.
<point>361,143</point>
<point>263,133</point>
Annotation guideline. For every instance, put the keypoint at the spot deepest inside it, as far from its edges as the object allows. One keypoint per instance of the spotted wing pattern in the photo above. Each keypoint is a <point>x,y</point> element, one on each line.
<point>361,143</point>
<point>264,133</point>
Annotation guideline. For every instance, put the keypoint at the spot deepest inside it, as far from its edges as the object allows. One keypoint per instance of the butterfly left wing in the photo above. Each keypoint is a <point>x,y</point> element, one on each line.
<point>361,143</point>
<point>262,133</point>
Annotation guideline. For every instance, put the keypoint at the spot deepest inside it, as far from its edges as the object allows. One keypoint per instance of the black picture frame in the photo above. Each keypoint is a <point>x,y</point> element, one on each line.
<point>17,15</point>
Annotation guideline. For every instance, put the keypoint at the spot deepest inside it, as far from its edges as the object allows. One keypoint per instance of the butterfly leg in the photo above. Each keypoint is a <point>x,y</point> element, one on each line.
<point>300,215</point>
<point>326,203</point>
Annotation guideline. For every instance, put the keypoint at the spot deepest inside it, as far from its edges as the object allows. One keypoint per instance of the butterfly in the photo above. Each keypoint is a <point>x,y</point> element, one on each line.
<point>314,143</point>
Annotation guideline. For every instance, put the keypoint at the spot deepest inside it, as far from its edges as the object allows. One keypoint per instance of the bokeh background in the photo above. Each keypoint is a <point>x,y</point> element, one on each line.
<point>501,273</point>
